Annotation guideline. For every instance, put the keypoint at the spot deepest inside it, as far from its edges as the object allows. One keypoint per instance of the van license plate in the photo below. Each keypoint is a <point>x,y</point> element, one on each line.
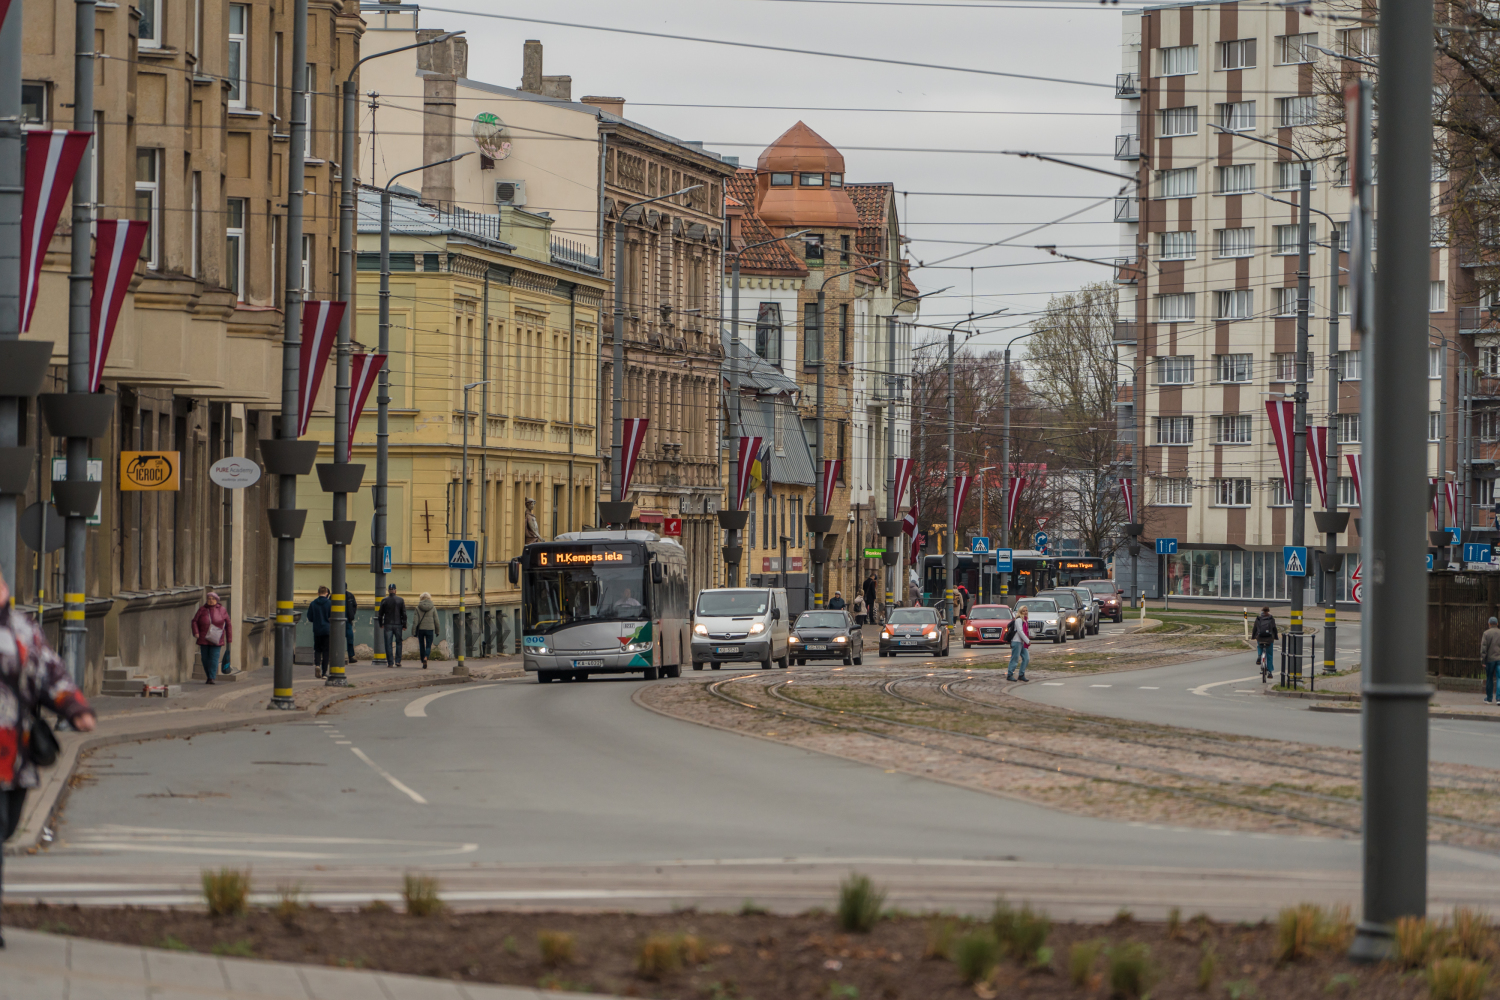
<point>588,663</point>
<point>815,649</point>
<point>724,650</point>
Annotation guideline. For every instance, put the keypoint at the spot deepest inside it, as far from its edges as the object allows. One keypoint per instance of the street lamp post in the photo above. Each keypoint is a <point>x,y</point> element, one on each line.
<point>950,551</point>
<point>1005,471</point>
<point>383,396</point>
<point>461,634</point>
<point>983,491</point>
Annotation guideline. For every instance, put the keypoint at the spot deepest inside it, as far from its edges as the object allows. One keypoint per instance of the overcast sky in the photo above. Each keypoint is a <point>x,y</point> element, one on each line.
<point>1064,39</point>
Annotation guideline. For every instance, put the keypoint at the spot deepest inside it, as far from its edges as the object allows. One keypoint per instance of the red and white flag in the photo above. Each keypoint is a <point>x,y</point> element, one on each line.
<point>364,373</point>
<point>115,254</point>
<point>320,328</point>
<point>1356,473</point>
<point>632,436</point>
<point>4,9</point>
<point>744,464</point>
<point>909,529</point>
<point>961,486</point>
<point>1452,490</point>
<point>1011,502</point>
<point>1317,454</point>
<point>52,158</point>
<point>904,469</point>
<point>1433,481</point>
<point>1127,488</point>
<point>831,468</point>
<point>1281,429</point>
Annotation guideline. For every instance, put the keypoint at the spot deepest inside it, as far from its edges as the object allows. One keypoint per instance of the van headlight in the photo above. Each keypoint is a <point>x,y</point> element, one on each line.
<point>756,628</point>
<point>700,629</point>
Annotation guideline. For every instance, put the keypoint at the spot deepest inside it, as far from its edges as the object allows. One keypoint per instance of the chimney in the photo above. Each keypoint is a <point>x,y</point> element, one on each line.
<point>531,67</point>
<point>440,66</point>
<point>559,87</point>
<point>613,105</point>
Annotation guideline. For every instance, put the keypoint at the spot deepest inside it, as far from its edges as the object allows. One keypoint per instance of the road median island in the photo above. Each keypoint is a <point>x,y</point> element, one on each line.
<point>963,727</point>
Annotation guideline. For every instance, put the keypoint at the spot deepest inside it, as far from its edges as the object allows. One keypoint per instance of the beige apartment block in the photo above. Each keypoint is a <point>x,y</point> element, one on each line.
<point>1208,274</point>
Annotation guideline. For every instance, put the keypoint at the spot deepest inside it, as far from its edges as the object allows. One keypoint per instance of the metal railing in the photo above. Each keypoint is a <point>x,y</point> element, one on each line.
<point>573,254</point>
<point>1127,85</point>
<point>1127,271</point>
<point>1127,147</point>
<point>1299,659</point>
<point>1473,319</point>
<point>1127,209</point>
<point>1126,333</point>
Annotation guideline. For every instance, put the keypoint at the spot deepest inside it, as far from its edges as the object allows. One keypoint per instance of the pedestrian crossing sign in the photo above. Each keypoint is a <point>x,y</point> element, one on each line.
<point>462,553</point>
<point>1295,558</point>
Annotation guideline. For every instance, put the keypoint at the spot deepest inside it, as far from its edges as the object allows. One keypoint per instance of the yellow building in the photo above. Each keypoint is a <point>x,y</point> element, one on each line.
<point>473,298</point>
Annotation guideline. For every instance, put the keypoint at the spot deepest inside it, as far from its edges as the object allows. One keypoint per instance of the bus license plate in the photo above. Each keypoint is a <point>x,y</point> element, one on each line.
<point>723,650</point>
<point>913,642</point>
<point>815,649</point>
<point>588,663</point>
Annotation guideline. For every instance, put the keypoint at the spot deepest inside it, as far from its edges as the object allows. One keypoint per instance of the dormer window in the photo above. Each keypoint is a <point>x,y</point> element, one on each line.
<point>781,180</point>
<point>836,180</point>
<point>812,180</point>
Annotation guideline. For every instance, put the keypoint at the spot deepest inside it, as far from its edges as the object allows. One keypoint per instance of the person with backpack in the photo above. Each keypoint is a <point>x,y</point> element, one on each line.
<point>1265,633</point>
<point>859,608</point>
<point>320,615</point>
<point>1019,637</point>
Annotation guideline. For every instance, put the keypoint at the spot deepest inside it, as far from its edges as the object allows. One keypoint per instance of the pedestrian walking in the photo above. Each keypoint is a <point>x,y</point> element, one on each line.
<point>837,604</point>
<point>31,675</point>
<point>350,607</point>
<point>870,588</point>
<point>859,609</point>
<point>426,626</point>
<point>212,630</point>
<point>391,617</point>
<point>1489,655</point>
<point>1020,645</point>
<point>320,616</point>
<point>1266,633</point>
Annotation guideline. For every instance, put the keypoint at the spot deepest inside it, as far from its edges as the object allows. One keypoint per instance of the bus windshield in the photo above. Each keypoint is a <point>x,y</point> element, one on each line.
<point>583,584</point>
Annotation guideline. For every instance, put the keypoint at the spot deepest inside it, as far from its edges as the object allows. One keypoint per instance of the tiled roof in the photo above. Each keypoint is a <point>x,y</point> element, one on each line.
<point>871,201</point>
<point>773,258</point>
<point>908,287</point>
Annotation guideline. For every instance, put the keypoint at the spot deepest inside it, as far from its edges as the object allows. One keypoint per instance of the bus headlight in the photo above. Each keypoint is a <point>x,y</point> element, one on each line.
<point>756,628</point>
<point>637,647</point>
<point>700,629</point>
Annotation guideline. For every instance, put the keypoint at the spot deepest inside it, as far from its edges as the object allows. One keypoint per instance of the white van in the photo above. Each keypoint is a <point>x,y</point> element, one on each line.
<point>741,624</point>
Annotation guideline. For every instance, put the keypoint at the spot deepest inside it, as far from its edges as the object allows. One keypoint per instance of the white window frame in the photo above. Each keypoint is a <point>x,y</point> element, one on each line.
<point>1181,182</point>
<point>1235,304</point>
<point>1296,112</point>
<point>1176,122</point>
<point>306,269</point>
<point>1231,492</point>
<point>1437,296</point>
<point>1292,50</point>
<point>1343,300</point>
<point>1235,170</point>
<point>1238,54</point>
<point>1174,370</point>
<point>1350,366</point>
<point>1434,425</point>
<point>1347,496</point>
<point>310,82</point>
<point>1289,174</point>
<point>152,189</point>
<point>1489,360</point>
<point>1284,239</point>
<point>1177,60</point>
<point>151,17</point>
<point>1235,367</point>
<point>1341,171</point>
<point>1286,301</point>
<point>1238,242</point>
<point>1179,245</point>
<point>1174,431</point>
<point>238,66</point>
<point>1233,428</point>
<point>1281,494</point>
<point>1176,307</point>
<point>234,235</point>
<point>1349,429</point>
<point>195,224</point>
<point>1237,116</point>
<point>1173,491</point>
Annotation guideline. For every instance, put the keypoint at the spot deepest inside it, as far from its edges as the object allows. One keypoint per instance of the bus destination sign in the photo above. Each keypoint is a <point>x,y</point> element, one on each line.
<point>584,555</point>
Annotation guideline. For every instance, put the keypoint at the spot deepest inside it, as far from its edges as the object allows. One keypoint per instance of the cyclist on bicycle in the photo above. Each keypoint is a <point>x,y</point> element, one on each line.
<point>1265,632</point>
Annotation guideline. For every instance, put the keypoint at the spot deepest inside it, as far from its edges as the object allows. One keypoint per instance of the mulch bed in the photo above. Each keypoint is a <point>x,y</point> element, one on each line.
<point>754,956</point>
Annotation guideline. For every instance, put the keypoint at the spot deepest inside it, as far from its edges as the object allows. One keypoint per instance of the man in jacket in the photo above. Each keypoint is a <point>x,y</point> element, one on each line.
<point>1265,633</point>
<point>320,616</point>
<point>869,589</point>
<point>391,617</point>
<point>1489,655</point>
<point>350,607</point>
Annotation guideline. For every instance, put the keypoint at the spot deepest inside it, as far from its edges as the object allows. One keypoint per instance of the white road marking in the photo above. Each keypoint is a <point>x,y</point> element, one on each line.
<point>1101,685</point>
<point>418,709</point>
<point>1150,688</point>
<point>1052,684</point>
<point>343,743</point>
<point>1202,689</point>
<point>388,776</point>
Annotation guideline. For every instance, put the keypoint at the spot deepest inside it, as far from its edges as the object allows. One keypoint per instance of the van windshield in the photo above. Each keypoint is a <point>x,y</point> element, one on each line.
<point>732,603</point>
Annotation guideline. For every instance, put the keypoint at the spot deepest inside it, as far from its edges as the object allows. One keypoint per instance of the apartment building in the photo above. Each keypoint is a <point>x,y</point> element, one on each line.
<point>192,102</point>
<point>1208,282</point>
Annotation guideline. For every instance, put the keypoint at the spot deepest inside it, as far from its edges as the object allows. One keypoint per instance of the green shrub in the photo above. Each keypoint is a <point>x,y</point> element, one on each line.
<point>1082,957</point>
<point>1306,930</point>
<point>239,949</point>
<point>976,954</point>
<point>750,908</point>
<point>1472,934</point>
<point>1174,923</point>
<point>289,900</point>
<point>941,933</point>
<point>556,947</point>
<point>1457,978</point>
<point>421,895</point>
<point>1131,971</point>
<point>658,957</point>
<point>860,903</point>
<point>1021,933</point>
<point>1208,965</point>
<point>1419,941</point>
<point>226,891</point>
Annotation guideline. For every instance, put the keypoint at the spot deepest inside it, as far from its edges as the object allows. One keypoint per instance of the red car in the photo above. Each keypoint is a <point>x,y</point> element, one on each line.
<point>986,625</point>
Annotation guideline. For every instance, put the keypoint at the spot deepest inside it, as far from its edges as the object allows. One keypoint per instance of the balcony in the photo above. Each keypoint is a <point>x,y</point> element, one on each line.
<point>1126,334</point>
<point>1127,85</point>
<point>1127,272</point>
<point>1475,319</point>
<point>1127,147</point>
<point>1127,209</point>
<point>571,253</point>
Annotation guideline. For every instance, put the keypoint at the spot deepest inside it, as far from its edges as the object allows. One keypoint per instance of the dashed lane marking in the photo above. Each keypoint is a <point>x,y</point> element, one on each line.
<point>417,709</point>
<point>388,776</point>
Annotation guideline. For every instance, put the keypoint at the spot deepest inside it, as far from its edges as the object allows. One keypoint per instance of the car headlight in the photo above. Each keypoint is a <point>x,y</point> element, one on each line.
<point>929,632</point>
<point>756,628</point>
<point>968,628</point>
<point>886,632</point>
<point>794,638</point>
<point>841,638</point>
<point>700,629</point>
<point>1072,619</point>
<point>637,647</point>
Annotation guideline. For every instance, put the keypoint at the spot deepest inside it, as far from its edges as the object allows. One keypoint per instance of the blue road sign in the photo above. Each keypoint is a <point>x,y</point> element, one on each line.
<point>1429,562</point>
<point>1476,552</point>
<point>462,553</point>
<point>979,545</point>
<point>1455,536</point>
<point>1042,538</point>
<point>1166,546</point>
<point>1005,560</point>
<point>1295,559</point>
<point>385,560</point>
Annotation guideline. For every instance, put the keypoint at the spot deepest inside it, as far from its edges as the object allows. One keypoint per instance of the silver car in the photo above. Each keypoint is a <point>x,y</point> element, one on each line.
<point>1043,621</point>
<point>1091,608</point>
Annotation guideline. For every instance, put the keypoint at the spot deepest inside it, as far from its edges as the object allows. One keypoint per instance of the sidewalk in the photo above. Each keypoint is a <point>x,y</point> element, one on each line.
<point>48,967</point>
<point>205,708</point>
<point>1343,695</point>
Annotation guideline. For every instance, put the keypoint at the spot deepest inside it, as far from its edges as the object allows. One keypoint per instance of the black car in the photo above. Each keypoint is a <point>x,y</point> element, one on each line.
<point>1074,623</point>
<point>826,635</point>
<point>1108,594</point>
<point>914,630</point>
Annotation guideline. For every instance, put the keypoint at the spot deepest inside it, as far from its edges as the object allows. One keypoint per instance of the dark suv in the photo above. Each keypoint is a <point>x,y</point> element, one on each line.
<point>1107,593</point>
<point>826,635</point>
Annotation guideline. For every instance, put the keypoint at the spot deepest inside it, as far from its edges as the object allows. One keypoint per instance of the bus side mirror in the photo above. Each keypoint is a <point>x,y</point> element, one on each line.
<point>656,572</point>
<point>513,571</point>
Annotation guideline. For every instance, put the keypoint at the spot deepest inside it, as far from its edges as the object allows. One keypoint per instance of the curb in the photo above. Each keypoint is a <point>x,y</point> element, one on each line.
<point>1328,696</point>
<point>46,801</point>
<point>1438,713</point>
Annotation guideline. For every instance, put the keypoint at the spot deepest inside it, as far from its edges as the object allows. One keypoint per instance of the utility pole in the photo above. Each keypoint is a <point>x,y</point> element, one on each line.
<point>11,185</point>
<point>950,553</point>
<point>1395,690</point>
<point>1299,418</point>
<point>461,634</point>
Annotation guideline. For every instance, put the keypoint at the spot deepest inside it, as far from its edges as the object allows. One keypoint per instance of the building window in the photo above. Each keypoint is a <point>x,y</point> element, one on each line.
<point>1434,426</point>
<point>1175,308</point>
<point>1359,41</point>
<point>781,180</point>
<point>1174,492</point>
<point>1178,246</point>
<point>148,200</point>
<point>1174,430</point>
<point>1437,296</point>
<point>768,332</point>
<point>308,105</point>
<point>1288,237</point>
<point>843,249</point>
<point>1231,492</point>
<point>812,180</point>
<point>1180,183</point>
<point>1489,361</point>
<point>1235,367</point>
<point>1239,54</point>
<point>1294,111</point>
<point>1341,236</point>
<point>1238,116</point>
<point>1179,60</point>
<point>1235,303</point>
<point>1282,497</point>
<point>307,259</point>
<point>1237,179</point>
<point>812,338</point>
<point>195,256</point>
<point>836,180</point>
<point>239,56</point>
<point>812,247</point>
<point>1237,242</point>
<point>150,25</point>
<point>36,107</point>
<point>1349,366</point>
<point>1348,428</point>
<point>1289,174</point>
<point>1341,171</point>
<point>1286,301</point>
<point>1178,121</point>
<point>844,331</point>
<point>1343,300</point>
<point>234,257</point>
<point>1347,496</point>
<point>1233,429</point>
<point>1294,48</point>
<point>1438,232</point>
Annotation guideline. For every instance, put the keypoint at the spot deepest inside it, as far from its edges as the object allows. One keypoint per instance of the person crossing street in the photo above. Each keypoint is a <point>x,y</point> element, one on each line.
<point>391,617</point>
<point>1265,632</point>
<point>1020,645</point>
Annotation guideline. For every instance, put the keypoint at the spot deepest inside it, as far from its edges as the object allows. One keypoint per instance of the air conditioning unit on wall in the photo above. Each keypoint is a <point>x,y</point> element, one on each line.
<point>510,193</point>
